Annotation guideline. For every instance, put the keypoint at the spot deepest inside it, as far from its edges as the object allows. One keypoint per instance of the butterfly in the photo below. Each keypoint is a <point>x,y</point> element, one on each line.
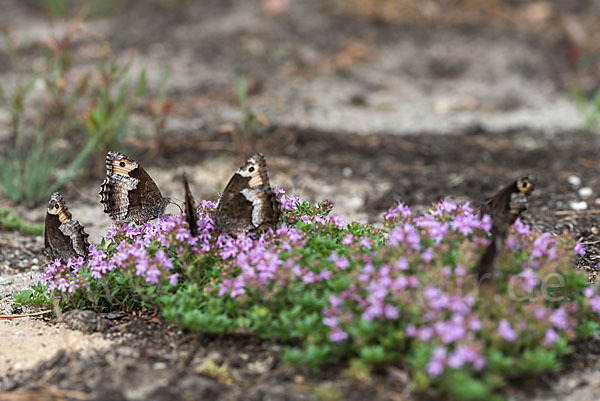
<point>64,237</point>
<point>504,208</point>
<point>248,203</point>
<point>191,214</point>
<point>128,193</point>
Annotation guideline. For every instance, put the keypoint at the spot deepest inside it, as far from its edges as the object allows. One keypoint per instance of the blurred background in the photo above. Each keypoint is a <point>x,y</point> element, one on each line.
<point>364,102</point>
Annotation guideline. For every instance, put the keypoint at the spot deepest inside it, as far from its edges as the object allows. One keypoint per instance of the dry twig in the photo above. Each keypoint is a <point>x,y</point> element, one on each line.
<point>6,317</point>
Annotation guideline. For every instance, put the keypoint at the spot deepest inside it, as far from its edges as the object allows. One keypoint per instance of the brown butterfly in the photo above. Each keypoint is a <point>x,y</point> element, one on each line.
<point>248,203</point>
<point>191,214</point>
<point>64,237</point>
<point>504,208</point>
<point>128,193</point>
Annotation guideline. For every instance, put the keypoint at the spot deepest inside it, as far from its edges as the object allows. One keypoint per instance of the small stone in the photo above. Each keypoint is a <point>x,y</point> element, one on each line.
<point>347,172</point>
<point>262,366</point>
<point>585,192</point>
<point>574,180</point>
<point>582,205</point>
<point>355,203</point>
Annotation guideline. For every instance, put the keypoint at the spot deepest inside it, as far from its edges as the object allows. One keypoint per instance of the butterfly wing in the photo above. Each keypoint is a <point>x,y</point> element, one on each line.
<point>504,208</point>
<point>128,193</point>
<point>64,237</point>
<point>191,214</point>
<point>248,203</point>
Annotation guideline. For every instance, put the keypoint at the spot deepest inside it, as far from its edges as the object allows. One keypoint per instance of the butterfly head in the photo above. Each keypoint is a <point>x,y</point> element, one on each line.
<point>56,206</point>
<point>526,185</point>
<point>253,169</point>
<point>119,164</point>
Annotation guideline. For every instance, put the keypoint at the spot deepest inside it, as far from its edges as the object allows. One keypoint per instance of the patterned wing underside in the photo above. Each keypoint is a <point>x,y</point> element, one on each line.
<point>79,238</point>
<point>114,195</point>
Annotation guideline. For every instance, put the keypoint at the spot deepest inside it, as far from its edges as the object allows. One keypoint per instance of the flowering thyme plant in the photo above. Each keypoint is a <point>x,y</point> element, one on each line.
<point>403,294</point>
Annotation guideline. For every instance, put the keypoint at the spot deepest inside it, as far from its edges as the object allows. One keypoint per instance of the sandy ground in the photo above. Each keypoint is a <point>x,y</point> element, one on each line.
<point>26,342</point>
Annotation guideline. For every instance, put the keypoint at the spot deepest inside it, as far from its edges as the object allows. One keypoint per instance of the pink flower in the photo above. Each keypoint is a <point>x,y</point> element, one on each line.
<point>338,335</point>
<point>506,331</point>
<point>435,367</point>
<point>390,312</point>
<point>595,304</point>
<point>550,338</point>
<point>559,318</point>
<point>341,262</point>
<point>588,292</point>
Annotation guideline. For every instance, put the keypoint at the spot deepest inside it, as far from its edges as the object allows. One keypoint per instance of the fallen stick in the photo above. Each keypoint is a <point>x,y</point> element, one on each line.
<point>6,317</point>
<point>565,212</point>
<point>43,394</point>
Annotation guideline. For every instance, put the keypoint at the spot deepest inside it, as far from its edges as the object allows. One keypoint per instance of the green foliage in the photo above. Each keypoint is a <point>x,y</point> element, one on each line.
<point>98,104</point>
<point>334,292</point>
<point>38,296</point>
<point>589,110</point>
<point>463,386</point>
<point>250,122</point>
<point>327,393</point>
<point>9,221</point>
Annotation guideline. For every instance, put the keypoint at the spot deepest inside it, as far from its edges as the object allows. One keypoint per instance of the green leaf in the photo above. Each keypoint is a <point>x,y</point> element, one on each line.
<point>141,85</point>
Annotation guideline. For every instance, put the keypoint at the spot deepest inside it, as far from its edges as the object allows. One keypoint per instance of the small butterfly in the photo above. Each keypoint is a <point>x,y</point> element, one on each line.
<point>248,203</point>
<point>64,237</point>
<point>191,214</point>
<point>128,193</point>
<point>504,208</point>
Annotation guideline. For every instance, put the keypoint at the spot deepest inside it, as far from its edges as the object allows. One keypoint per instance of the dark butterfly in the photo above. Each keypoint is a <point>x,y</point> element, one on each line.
<point>64,237</point>
<point>128,193</point>
<point>191,214</point>
<point>248,203</point>
<point>504,208</point>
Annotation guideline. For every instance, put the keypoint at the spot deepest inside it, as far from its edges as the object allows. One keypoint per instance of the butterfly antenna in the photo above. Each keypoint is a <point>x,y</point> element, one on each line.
<point>85,196</point>
<point>171,202</point>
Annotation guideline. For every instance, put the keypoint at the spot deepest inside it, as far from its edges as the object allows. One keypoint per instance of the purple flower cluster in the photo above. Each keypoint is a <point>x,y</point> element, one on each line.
<point>142,250</point>
<point>457,359</point>
<point>65,278</point>
<point>421,264</point>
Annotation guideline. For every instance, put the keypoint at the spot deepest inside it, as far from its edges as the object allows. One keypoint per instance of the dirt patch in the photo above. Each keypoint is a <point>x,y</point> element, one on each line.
<point>26,343</point>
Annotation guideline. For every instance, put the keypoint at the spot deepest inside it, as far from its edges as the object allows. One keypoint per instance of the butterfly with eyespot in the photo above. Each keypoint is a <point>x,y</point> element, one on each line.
<point>128,193</point>
<point>248,203</point>
<point>191,214</point>
<point>504,208</point>
<point>64,237</point>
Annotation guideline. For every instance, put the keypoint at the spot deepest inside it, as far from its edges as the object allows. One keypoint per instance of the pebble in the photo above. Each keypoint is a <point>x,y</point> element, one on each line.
<point>581,205</point>
<point>355,203</point>
<point>585,192</point>
<point>574,180</point>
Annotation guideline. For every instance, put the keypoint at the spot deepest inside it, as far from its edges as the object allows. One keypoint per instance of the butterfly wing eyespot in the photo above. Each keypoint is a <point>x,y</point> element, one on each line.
<point>525,186</point>
<point>122,164</point>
